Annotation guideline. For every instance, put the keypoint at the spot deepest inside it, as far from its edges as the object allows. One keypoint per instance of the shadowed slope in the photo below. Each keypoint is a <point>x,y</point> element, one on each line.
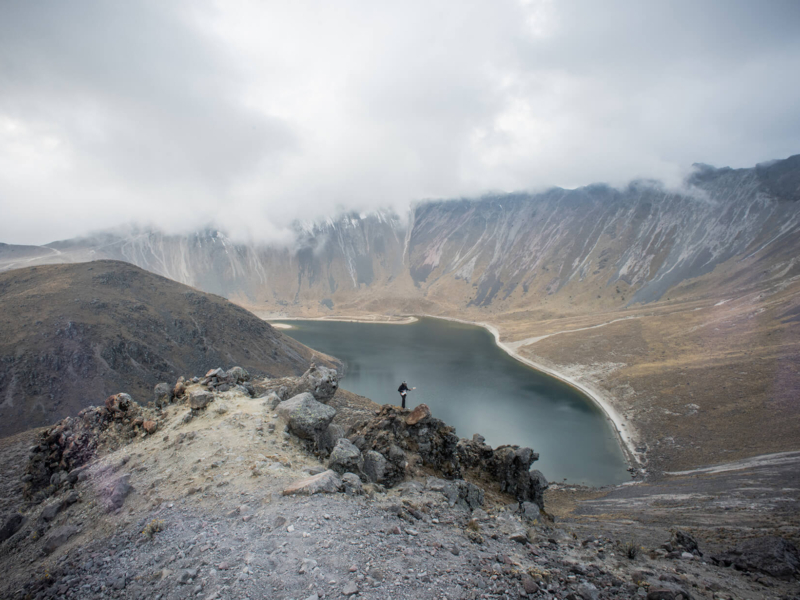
<point>70,335</point>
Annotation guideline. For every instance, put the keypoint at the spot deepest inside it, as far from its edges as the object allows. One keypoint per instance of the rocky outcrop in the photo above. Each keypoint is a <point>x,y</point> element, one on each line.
<point>389,434</point>
<point>772,555</point>
<point>68,445</point>
<point>319,381</point>
<point>305,417</point>
<point>395,439</point>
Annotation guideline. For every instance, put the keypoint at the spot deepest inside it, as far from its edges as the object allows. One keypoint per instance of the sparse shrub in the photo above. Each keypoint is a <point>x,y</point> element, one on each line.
<point>152,528</point>
<point>630,550</point>
<point>473,525</point>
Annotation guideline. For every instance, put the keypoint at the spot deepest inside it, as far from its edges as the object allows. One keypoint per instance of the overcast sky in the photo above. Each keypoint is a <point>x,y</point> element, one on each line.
<point>249,114</point>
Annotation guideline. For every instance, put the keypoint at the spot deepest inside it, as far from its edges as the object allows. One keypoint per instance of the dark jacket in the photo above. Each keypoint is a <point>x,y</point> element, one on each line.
<point>403,388</point>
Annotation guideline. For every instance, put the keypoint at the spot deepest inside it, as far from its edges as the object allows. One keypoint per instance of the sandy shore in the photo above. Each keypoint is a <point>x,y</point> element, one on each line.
<point>623,429</point>
<point>383,320</point>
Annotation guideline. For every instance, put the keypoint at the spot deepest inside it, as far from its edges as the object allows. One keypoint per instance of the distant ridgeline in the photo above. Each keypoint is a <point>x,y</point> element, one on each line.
<point>593,246</point>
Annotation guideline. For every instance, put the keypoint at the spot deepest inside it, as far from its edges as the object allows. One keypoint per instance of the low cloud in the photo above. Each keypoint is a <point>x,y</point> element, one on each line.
<point>247,115</point>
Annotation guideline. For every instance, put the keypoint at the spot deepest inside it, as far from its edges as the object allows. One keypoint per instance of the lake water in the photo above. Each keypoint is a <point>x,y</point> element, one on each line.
<point>472,384</point>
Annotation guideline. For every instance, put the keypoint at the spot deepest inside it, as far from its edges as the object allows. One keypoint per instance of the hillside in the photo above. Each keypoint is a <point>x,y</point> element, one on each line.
<point>70,335</point>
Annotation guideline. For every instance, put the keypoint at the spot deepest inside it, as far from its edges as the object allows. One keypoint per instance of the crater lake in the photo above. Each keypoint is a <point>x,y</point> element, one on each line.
<point>472,384</point>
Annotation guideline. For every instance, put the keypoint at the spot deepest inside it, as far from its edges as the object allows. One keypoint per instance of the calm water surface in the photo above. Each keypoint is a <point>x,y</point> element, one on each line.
<point>470,383</point>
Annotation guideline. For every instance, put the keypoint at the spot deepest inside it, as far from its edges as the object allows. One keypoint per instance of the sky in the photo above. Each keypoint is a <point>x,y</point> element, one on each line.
<point>248,115</point>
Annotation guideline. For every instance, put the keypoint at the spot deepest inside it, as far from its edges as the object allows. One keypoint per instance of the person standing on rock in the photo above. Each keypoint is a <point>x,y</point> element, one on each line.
<point>403,389</point>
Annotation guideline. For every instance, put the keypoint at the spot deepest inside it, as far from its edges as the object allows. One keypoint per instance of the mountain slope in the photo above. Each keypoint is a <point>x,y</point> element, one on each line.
<point>70,335</point>
<point>586,249</point>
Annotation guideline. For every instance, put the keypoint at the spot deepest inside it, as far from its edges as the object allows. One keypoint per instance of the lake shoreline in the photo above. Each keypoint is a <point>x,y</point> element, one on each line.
<point>597,397</point>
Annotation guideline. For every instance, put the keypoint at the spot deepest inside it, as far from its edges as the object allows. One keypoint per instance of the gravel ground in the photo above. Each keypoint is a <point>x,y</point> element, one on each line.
<point>206,518</point>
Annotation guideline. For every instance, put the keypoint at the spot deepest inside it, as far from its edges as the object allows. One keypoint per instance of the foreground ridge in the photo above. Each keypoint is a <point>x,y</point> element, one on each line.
<point>227,487</point>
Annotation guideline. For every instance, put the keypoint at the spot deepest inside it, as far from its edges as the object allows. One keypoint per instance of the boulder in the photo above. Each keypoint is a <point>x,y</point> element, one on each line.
<point>346,458</point>
<point>772,555</point>
<point>305,417</point>
<point>271,401</point>
<point>51,510</point>
<point>150,427</point>
<point>530,511</point>
<point>58,537</point>
<point>327,482</point>
<point>464,494</point>
<point>351,484</point>
<point>321,382</point>
<point>162,395</point>
<point>11,526</point>
<point>375,466</point>
<point>119,491</point>
<point>199,399</point>
<point>180,388</point>
<point>683,541</point>
<point>327,440</point>
<point>237,375</point>
<point>419,415</point>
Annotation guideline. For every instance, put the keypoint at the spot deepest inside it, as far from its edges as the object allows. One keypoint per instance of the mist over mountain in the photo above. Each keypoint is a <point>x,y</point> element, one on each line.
<point>588,248</point>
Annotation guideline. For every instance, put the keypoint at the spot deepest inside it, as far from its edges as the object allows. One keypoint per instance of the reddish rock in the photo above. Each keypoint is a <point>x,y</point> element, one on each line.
<point>119,405</point>
<point>150,426</point>
<point>420,413</point>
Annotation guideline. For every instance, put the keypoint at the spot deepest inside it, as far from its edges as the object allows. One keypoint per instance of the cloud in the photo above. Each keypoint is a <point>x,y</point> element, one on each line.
<point>247,115</point>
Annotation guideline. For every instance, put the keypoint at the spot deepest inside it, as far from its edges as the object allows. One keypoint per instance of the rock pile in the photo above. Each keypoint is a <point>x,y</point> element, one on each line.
<point>68,445</point>
<point>72,442</point>
<point>397,439</point>
<point>222,381</point>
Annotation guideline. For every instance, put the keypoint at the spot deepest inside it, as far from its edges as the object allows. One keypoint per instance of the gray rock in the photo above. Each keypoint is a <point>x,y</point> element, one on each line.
<point>11,526</point>
<point>346,458</point>
<point>327,482</point>
<point>529,585</point>
<point>530,511</point>
<point>772,555</point>
<point>329,437</point>
<point>51,510</point>
<point>350,588</point>
<point>588,591</point>
<point>162,395</point>
<point>118,582</point>
<point>305,417</point>
<point>237,375</point>
<point>374,466</point>
<point>119,491</point>
<point>352,484</point>
<point>199,399</point>
<point>321,382</point>
<point>683,541</point>
<point>58,537</point>
<point>464,494</point>
<point>271,401</point>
